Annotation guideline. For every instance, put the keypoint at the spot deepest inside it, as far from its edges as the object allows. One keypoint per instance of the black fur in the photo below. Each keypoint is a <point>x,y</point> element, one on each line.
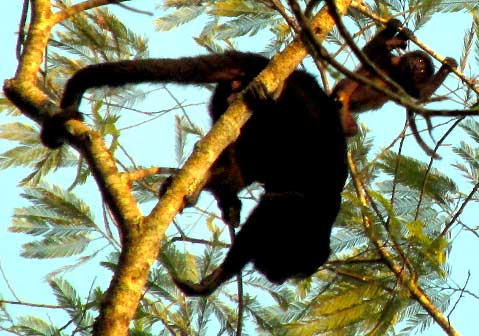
<point>295,147</point>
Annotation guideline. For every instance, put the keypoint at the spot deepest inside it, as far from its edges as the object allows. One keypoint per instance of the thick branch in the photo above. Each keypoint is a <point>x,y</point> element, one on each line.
<point>23,90</point>
<point>34,103</point>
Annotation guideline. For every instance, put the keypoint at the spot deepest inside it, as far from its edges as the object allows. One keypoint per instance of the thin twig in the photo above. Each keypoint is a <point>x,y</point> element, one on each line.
<point>239,280</point>
<point>396,170</point>
<point>65,13</point>
<point>461,209</point>
<point>8,283</point>
<point>185,238</point>
<point>132,9</point>
<point>461,295</point>
<point>431,160</point>
<point>21,28</point>
<point>29,304</point>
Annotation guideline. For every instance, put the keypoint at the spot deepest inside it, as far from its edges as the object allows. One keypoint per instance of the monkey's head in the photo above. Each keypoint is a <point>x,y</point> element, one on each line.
<point>419,65</point>
<point>413,69</point>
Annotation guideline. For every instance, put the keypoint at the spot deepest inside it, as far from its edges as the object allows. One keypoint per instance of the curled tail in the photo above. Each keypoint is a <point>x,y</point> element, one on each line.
<point>206,287</point>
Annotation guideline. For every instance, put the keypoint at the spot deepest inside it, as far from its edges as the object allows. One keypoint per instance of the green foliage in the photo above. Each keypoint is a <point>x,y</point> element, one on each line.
<point>184,128</point>
<point>62,220</point>
<point>68,298</point>
<point>228,19</point>
<point>342,308</point>
<point>417,176</point>
<point>34,326</point>
<point>96,36</point>
<point>89,38</point>
<point>468,152</point>
<point>179,17</point>
<point>182,264</point>
<point>5,318</point>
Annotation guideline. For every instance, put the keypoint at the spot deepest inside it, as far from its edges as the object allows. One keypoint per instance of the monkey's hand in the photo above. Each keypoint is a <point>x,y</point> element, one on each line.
<point>448,65</point>
<point>257,97</point>
<point>230,209</point>
<point>450,62</point>
<point>405,33</point>
<point>54,133</point>
<point>393,25</point>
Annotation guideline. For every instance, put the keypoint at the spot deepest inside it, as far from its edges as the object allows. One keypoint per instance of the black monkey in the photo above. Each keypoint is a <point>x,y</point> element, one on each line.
<point>413,71</point>
<point>293,144</point>
<point>270,221</point>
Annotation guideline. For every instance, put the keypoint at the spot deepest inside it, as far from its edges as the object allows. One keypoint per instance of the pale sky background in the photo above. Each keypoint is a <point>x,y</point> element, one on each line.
<point>444,34</point>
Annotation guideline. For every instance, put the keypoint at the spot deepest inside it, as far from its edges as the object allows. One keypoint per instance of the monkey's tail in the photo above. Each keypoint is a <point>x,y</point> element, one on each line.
<point>206,287</point>
<point>187,70</point>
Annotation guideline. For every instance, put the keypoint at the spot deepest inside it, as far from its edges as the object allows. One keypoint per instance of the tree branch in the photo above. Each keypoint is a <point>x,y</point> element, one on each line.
<point>65,13</point>
<point>410,283</point>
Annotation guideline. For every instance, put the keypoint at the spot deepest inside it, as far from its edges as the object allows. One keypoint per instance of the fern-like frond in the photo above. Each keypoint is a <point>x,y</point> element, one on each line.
<point>179,17</point>
<point>59,216</point>
<point>56,247</point>
<point>412,173</point>
<point>31,153</point>
<point>68,298</point>
<point>55,205</point>
<point>346,239</point>
<point>359,306</point>
<point>34,326</point>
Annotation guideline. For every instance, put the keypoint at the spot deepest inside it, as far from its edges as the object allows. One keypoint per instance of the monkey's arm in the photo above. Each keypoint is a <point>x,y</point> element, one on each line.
<point>386,40</point>
<point>426,90</point>
<point>355,97</point>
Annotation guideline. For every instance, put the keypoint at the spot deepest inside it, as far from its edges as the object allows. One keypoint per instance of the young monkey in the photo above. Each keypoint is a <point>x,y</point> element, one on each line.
<point>413,71</point>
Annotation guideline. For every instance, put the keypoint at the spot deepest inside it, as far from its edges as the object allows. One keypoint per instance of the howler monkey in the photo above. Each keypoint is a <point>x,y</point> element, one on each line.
<point>293,144</point>
<point>413,71</point>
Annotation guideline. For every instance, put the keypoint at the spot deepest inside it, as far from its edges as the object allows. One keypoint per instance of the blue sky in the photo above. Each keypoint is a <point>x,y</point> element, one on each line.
<point>443,34</point>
